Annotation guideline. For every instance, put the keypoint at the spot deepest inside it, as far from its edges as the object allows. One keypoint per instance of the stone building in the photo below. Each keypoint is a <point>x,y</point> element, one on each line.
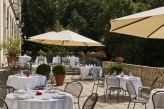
<point>10,23</point>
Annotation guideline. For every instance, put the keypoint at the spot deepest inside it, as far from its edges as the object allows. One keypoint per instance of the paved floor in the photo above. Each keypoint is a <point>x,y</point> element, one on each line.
<point>101,104</point>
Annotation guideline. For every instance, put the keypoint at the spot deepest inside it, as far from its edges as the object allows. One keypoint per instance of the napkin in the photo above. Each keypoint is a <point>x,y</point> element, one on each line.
<point>27,75</point>
<point>60,96</point>
<point>21,97</point>
<point>38,93</point>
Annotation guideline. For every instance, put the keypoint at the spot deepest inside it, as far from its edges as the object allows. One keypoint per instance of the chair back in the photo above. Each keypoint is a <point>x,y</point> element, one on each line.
<point>41,60</point>
<point>153,83</point>
<point>91,101</point>
<point>6,74</point>
<point>158,98</point>
<point>112,81</point>
<point>95,72</point>
<point>3,91</point>
<point>3,104</point>
<point>74,87</point>
<point>131,90</point>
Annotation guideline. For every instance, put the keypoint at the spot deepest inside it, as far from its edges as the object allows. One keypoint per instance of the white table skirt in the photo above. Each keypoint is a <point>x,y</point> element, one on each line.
<point>84,71</point>
<point>56,60</point>
<point>37,102</point>
<point>38,63</point>
<point>123,80</point>
<point>150,103</point>
<point>24,59</point>
<point>23,82</point>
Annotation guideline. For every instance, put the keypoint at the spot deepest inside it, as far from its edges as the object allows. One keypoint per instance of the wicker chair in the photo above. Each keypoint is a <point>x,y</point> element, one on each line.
<point>75,88</point>
<point>133,95</point>
<point>90,101</point>
<point>158,98</point>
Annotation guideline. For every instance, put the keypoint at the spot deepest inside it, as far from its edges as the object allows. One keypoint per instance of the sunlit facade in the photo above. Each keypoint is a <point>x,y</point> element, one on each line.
<point>10,15</point>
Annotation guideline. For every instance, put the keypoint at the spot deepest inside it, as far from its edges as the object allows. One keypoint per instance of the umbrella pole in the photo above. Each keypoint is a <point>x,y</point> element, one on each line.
<point>61,52</point>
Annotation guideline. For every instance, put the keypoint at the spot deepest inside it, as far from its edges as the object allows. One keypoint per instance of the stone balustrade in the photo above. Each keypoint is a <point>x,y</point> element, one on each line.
<point>146,73</point>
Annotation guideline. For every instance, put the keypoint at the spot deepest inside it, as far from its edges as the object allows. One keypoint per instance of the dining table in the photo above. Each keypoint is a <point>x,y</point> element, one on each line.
<point>24,59</point>
<point>39,99</point>
<point>123,80</point>
<point>84,71</point>
<point>21,81</point>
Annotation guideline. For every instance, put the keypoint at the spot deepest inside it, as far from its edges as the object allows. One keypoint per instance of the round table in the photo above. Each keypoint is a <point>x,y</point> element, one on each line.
<point>19,81</point>
<point>45,101</point>
<point>123,80</point>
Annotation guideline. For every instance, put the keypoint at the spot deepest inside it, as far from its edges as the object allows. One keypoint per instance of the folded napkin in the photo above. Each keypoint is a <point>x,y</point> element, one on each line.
<point>60,96</point>
<point>21,97</point>
<point>27,75</point>
<point>38,93</point>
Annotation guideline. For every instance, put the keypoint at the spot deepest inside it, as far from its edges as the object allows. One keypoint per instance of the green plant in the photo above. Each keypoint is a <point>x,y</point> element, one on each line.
<point>12,46</point>
<point>117,67</point>
<point>43,69</point>
<point>90,60</point>
<point>59,70</point>
<point>41,52</point>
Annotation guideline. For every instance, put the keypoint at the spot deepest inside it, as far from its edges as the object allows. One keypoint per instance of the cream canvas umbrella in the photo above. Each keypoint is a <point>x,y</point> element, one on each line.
<point>147,24</point>
<point>64,38</point>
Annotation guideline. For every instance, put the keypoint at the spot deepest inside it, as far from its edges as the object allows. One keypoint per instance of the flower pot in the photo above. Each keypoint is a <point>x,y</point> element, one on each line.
<point>59,79</point>
<point>12,59</point>
<point>16,70</point>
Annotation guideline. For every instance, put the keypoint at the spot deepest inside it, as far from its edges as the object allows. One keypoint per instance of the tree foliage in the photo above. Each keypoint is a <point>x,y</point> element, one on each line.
<point>91,19</point>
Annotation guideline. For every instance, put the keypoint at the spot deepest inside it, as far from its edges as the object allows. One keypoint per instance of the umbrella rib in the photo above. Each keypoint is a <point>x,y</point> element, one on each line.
<point>155,30</point>
<point>130,23</point>
<point>85,43</point>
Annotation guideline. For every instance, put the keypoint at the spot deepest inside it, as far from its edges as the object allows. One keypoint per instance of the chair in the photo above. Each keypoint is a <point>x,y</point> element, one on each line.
<point>4,77</point>
<point>146,88</point>
<point>76,71</point>
<point>75,88</point>
<point>133,95</point>
<point>3,91</point>
<point>113,84</point>
<point>90,101</point>
<point>3,104</point>
<point>6,74</point>
<point>95,72</point>
<point>157,99</point>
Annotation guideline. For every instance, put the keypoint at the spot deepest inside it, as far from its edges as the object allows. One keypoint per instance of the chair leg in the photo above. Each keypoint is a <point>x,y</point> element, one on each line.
<point>145,106</point>
<point>118,96</point>
<point>128,105</point>
<point>97,86</point>
<point>78,103</point>
<point>93,87</point>
<point>134,105</point>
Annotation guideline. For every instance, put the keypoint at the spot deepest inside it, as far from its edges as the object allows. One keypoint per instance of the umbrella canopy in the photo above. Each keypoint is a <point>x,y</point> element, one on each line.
<point>64,38</point>
<point>147,24</point>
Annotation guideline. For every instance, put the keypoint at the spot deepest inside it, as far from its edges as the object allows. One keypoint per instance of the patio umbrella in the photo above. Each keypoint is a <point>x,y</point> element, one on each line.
<point>147,24</point>
<point>64,38</point>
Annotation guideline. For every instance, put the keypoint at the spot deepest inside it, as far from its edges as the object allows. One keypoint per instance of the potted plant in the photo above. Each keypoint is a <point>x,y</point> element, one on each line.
<point>13,49</point>
<point>118,68</point>
<point>44,69</point>
<point>59,72</point>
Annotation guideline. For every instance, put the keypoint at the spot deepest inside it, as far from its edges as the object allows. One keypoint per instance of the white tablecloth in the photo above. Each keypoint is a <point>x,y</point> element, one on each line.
<point>150,103</point>
<point>37,102</point>
<point>123,80</point>
<point>40,62</point>
<point>56,60</point>
<point>73,61</point>
<point>23,82</point>
<point>84,71</point>
<point>24,59</point>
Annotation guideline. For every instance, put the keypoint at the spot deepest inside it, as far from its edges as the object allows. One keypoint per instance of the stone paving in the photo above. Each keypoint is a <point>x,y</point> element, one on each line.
<point>101,104</point>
